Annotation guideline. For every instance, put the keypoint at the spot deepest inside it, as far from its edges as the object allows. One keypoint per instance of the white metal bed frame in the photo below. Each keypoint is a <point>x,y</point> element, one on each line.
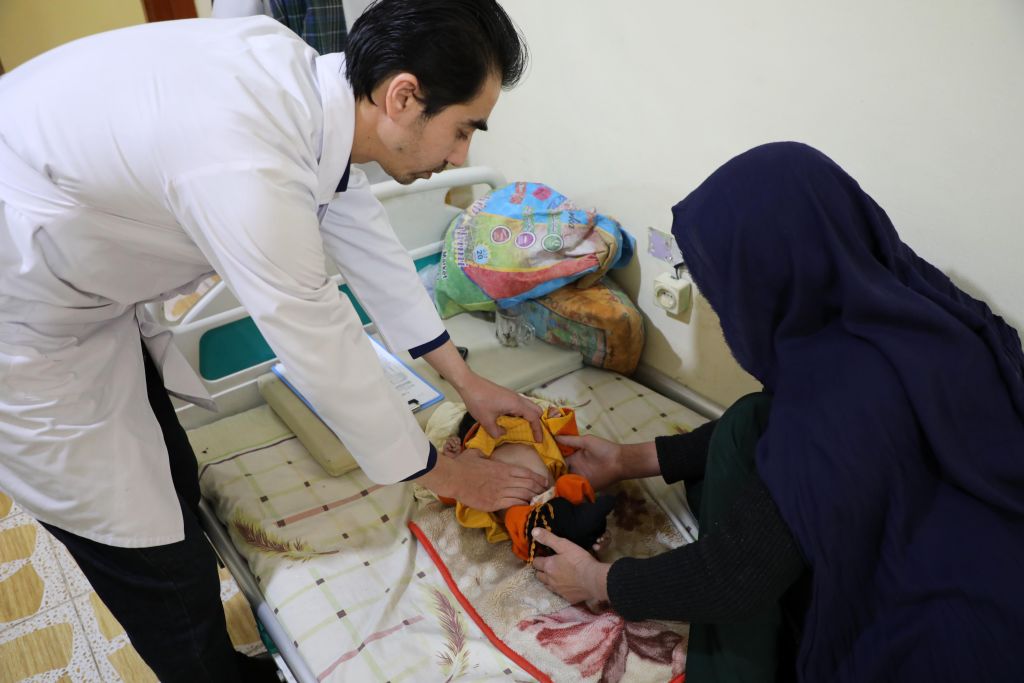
<point>420,216</point>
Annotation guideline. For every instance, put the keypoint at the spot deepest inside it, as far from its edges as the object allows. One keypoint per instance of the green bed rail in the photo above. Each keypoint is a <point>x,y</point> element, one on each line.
<point>238,345</point>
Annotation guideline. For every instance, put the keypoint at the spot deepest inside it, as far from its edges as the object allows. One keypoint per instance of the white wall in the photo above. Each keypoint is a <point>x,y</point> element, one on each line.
<point>629,106</point>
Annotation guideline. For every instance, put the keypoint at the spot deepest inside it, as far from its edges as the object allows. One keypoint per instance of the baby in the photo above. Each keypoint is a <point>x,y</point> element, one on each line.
<point>569,508</point>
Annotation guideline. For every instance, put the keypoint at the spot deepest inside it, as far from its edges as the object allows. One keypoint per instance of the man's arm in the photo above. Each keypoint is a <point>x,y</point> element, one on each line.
<point>359,238</point>
<point>485,400</point>
<point>258,227</point>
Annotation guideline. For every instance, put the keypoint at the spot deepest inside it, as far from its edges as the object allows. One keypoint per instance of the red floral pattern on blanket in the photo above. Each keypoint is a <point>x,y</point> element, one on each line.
<point>601,641</point>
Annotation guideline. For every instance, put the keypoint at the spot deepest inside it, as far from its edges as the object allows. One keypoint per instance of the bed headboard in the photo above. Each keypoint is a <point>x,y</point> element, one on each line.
<point>220,340</point>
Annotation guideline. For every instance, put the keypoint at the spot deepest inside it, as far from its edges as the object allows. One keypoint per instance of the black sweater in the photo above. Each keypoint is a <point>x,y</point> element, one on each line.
<point>738,567</point>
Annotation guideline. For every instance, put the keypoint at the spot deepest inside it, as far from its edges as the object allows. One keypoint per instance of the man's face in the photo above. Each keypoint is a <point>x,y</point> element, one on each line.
<point>425,146</point>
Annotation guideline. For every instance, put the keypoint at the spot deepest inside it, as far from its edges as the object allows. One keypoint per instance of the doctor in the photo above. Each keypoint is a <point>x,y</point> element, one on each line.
<point>135,163</point>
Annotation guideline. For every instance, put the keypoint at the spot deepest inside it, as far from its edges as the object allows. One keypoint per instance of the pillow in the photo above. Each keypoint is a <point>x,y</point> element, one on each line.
<point>600,322</point>
<point>326,448</point>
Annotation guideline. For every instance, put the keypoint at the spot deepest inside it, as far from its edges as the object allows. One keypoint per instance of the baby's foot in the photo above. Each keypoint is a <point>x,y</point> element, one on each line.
<point>452,447</point>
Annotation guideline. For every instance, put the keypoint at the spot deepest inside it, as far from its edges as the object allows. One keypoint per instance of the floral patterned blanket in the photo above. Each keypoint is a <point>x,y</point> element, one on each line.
<point>546,636</point>
<point>559,641</point>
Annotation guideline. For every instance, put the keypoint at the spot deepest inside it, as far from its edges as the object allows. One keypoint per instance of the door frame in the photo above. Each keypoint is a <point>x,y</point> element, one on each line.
<point>164,10</point>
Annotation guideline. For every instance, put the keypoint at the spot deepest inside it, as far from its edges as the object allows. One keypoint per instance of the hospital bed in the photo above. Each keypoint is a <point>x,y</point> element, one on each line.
<point>334,576</point>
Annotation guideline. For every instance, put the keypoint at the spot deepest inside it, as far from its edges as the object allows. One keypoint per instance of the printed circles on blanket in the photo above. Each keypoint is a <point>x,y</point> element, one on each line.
<point>523,241</point>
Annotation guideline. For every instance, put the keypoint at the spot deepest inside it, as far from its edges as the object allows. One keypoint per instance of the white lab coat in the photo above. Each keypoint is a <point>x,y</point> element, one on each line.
<point>132,165</point>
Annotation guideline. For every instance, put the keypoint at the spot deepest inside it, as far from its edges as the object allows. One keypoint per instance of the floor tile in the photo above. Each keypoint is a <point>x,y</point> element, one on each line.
<point>31,580</point>
<point>53,643</point>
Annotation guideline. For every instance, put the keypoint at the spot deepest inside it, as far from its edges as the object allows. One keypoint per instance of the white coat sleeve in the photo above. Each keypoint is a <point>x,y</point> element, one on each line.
<point>358,236</point>
<point>259,230</point>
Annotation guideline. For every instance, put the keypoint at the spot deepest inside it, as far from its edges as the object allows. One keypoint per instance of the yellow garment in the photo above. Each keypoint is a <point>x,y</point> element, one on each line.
<point>517,430</point>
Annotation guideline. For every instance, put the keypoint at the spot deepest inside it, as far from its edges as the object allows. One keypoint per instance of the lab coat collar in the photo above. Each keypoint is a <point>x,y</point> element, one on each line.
<point>339,124</point>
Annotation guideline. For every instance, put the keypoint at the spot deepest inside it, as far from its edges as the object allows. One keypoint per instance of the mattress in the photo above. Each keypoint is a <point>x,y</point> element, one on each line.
<point>335,560</point>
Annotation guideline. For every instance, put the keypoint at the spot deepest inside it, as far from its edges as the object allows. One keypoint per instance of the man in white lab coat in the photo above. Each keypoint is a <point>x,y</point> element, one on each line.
<point>135,163</point>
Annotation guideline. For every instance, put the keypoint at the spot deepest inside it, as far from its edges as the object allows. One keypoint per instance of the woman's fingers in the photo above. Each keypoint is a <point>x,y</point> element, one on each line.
<point>556,543</point>
<point>570,441</point>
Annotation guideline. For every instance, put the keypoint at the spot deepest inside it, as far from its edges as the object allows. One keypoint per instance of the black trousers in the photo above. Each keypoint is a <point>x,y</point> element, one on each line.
<point>167,597</point>
<point>754,650</point>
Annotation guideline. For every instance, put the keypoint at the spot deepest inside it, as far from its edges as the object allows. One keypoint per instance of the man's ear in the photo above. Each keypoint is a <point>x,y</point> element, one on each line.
<point>402,98</point>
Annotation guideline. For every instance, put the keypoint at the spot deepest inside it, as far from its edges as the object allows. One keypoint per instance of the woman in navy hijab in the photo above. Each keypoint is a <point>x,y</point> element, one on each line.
<point>891,439</point>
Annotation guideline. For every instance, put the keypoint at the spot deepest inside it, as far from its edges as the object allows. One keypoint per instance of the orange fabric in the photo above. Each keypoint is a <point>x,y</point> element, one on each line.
<point>470,434</point>
<point>567,427</point>
<point>574,488</point>
<point>515,525</point>
<point>518,430</point>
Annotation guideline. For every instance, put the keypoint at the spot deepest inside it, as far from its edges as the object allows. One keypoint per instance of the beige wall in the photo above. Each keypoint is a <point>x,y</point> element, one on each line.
<point>628,106</point>
<point>31,27</point>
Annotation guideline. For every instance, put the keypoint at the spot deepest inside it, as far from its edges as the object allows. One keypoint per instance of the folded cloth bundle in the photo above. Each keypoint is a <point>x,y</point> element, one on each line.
<point>600,322</point>
<point>522,241</point>
<point>326,448</point>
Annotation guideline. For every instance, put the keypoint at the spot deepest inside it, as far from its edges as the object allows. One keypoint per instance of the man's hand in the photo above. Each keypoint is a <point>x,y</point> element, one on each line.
<point>483,484</point>
<point>486,401</point>
<point>598,460</point>
<point>571,572</point>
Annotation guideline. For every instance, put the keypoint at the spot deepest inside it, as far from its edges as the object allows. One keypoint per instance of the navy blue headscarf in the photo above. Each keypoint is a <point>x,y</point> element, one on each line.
<point>895,444</point>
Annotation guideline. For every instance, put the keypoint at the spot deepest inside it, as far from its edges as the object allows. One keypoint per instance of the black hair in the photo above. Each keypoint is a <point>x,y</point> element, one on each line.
<point>465,425</point>
<point>450,46</point>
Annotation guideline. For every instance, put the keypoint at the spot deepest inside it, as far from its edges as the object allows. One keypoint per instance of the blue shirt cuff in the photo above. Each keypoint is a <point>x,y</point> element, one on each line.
<point>431,461</point>
<point>418,351</point>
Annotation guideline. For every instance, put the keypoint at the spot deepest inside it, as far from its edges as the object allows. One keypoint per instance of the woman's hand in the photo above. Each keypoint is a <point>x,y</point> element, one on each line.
<point>571,572</point>
<point>605,463</point>
<point>597,459</point>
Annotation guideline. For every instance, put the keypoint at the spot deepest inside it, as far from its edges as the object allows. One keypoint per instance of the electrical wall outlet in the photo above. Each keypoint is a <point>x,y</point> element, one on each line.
<point>674,294</point>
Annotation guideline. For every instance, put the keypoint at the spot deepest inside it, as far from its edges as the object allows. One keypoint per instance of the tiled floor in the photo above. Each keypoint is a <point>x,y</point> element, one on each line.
<point>53,627</point>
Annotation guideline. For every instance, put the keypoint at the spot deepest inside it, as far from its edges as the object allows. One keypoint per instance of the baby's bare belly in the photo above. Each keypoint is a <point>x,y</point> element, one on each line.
<point>524,456</point>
